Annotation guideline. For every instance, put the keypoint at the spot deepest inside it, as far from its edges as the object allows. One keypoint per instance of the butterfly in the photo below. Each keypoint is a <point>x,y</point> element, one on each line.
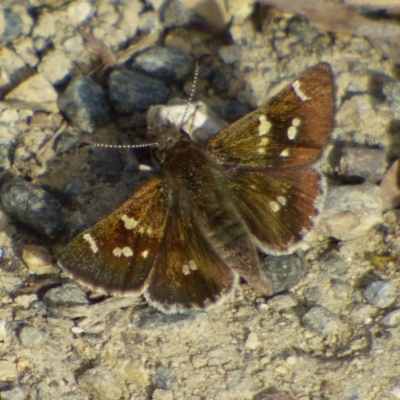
<point>186,236</point>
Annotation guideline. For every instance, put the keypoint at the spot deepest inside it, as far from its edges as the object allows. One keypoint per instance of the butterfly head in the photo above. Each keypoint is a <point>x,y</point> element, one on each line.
<point>166,136</point>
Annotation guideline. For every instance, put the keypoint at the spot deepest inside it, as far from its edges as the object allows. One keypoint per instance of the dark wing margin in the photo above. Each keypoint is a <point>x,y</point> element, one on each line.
<point>279,206</point>
<point>188,272</point>
<point>117,254</point>
<point>291,129</point>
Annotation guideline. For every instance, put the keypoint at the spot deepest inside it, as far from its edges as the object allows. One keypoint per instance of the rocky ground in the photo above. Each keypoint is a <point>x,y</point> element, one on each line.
<point>332,331</point>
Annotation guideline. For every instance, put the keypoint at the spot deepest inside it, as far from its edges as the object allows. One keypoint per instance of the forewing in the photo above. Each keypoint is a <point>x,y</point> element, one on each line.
<point>291,129</point>
<point>188,272</point>
<point>118,252</point>
<point>279,206</point>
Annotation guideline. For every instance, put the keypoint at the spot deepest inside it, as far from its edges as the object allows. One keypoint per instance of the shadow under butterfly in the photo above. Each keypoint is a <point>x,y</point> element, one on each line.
<point>183,239</point>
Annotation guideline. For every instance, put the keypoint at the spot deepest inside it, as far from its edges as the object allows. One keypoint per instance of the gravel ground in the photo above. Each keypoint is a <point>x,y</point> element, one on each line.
<point>333,330</point>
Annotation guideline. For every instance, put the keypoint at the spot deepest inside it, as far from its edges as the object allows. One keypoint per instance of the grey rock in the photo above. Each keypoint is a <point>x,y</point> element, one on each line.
<point>322,321</point>
<point>218,81</point>
<point>68,294</point>
<point>363,314</point>
<point>350,211</point>
<point>230,54</point>
<point>362,163</point>
<point>166,63</point>
<point>130,91</point>
<point>101,384</point>
<point>282,302</point>
<point>33,206</point>
<point>334,262</point>
<point>85,104</point>
<point>31,337</point>
<point>284,271</point>
<point>313,296</point>
<point>392,319</point>
<point>14,24</point>
<point>13,394</point>
<point>391,90</point>
<point>150,319</point>
<point>234,109</point>
<point>162,378</point>
<point>105,162</point>
<point>380,294</point>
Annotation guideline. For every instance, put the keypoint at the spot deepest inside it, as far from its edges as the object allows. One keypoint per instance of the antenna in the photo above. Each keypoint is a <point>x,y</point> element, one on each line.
<point>195,77</point>
<point>117,146</point>
<point>155,144</point>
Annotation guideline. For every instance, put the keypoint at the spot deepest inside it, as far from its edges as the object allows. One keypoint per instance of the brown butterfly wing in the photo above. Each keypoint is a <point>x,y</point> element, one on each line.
<point>279,206</point>
<point>117,253</point>
<point>291,129</point>
<point>188,272</point>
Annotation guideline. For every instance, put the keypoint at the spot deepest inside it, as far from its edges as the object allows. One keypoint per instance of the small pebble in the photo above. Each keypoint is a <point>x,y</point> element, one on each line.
<point>130,91</point>
<point>8,371</point>
<point>33,206</point>
<point>230,54</point>
<point>162,378</point>
<point>165,63</point>
<point>160,394</point>
<point>252,341</point>
<point>322,321</point>
<point>391,90</point>
<point>380,294</point>
<point>68,294</point>
<point>56,67</point>
<point>350,211</point>
<point>362,163</point>
<point>79,12</point>
<point>34,89</point>
<point>85,104</point>
<point>334,262</point>
<point>200,123</point>
<point>282,302</point>
<point>101,384</point>
<point>284,271</point>
<point>31,337</point>
<point>38,260</point>
<point>392,319</point>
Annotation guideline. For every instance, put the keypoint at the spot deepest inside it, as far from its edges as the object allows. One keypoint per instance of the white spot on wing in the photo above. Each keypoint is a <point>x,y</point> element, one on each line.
<point>117,252</point>
<point>282,200</point>
<point>185,269</point>
<point>145,253</point>
<point>292,132</point>
<point>130,223</point>
<point>88,237</point>
<point>285,153</point>
<point>274,206</point>
<point>192,265</point>
<point>264,127</point>
<point>297,88</point>
<point>296,121</point>
<point>126,251</point>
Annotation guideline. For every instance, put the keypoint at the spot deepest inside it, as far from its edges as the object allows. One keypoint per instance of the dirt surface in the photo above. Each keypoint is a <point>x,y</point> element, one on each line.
<point>335,334</point>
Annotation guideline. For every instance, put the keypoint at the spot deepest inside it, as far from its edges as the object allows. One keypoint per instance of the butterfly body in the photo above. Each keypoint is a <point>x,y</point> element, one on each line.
<point>184,238</point>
